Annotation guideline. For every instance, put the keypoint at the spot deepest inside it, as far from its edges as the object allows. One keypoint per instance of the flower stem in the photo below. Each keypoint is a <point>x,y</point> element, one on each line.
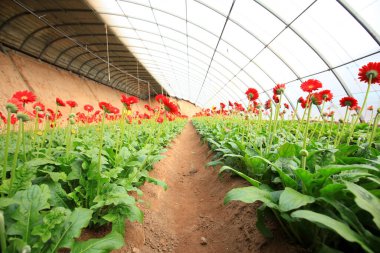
<point>100,151</point>
<point>337,141</point>
<point>375,123</point>
<point>275,124</point>
<point>3,241</point>
<point>8,136</point>
<point>352,130</point>
<point>18,144</point>
<point>305,133</point>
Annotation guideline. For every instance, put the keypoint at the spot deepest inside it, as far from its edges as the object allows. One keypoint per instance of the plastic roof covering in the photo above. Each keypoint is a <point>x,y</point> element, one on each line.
<point>71,36</point>
<point>211,51</point>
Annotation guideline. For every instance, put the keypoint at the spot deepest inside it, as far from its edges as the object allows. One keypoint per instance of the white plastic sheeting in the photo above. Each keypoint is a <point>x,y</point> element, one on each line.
<point>211,51</point>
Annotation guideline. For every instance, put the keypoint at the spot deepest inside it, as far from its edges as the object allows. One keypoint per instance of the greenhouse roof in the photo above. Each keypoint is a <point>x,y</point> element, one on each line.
<point>211,51</point>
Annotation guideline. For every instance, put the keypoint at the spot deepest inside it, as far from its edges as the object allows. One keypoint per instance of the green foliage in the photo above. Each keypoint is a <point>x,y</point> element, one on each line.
<point>331,205</point>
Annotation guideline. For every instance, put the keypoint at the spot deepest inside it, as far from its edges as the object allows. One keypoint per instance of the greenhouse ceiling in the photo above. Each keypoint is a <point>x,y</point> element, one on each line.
<point>211,51</point>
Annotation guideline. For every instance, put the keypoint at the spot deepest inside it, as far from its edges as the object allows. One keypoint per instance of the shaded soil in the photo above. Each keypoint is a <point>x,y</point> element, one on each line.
<point>190,215</point>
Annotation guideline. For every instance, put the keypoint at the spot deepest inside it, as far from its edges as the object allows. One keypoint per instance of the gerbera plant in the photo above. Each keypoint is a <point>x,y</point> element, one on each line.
<point>368,74</point>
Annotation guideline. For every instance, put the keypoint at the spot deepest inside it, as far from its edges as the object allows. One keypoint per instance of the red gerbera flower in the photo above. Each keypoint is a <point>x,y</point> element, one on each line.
<point>370,108</point>
<point>59,102</point>
<point>222,105</point>
<point>279,89</point>
<point>160,120</point>
<point>25,96</point>
<point>13,119</point>
<point>114,110</point>
<point>315,98</point>
<point>300,100</point>
<point>106,107</point>
<point>230,104</point>
<point>326,95</point>
<point>71,103</point>
<point>128,101</point>
<point>39,106</point>
<point>311,85</point>
<point>88,108</point>
<point>268,104</point>
<point>170,107</point>
<point>372,69</point>
<point>348,101</point>
<point>3,118</point>
<point>161,98</point>
<point>276,99</point>
<point>252,94</point>
<point>286,105</point>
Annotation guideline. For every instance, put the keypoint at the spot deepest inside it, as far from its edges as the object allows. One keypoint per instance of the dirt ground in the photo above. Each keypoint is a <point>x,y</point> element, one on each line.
<point>190,215</point>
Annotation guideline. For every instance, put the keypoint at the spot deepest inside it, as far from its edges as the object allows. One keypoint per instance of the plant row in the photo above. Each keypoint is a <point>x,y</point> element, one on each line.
<point>60,175</point>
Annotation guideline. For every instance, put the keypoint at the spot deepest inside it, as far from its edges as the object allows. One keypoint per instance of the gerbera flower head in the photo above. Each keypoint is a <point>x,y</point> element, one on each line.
<point>279,89</point>
<point>252,94</point>
<point>160,120</point>
<point>13,105</point>
<point>3,118</point>
<point>128,101</point>
<point>315,98</point>
<point>300,100</point>
<point>230,104</point>
<point>276,99</point>
<point>106,107</point>
<point>222,105</point>
<point>286,105</point>
<point>71,103</point>
<point>161,98</point>
<point>311,85</point>
<point>371,70</point>
<point>268,104</point>
<point>39,106</point>
<point>348,101</point>
<point>25,96</point>
<point>370,108</point>
<point>170,107</point>
<point>88,108</point>
<point>59,102</point>
<point>326,95</point>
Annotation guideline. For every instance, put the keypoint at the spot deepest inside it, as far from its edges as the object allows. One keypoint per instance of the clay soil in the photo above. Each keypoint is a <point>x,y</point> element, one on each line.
<point>190,216</point>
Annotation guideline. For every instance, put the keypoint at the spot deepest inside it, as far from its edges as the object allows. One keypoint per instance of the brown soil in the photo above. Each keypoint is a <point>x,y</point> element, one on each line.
<point>192,208</point>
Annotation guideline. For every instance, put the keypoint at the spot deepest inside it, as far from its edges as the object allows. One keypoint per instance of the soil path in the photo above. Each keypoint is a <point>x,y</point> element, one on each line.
<point>190,215</point>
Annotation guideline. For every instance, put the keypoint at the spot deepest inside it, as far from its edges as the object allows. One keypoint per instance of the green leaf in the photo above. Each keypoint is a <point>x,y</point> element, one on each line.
<point>286,179</point>
<point>335,169</point>
<point>339,227</point>
<point>250,195</point>
<point>249,179</point>
<point>64,238</point>
<point>38,162</point>
<point>27,214</point>
<point>102,245</point>
<point>157,182</point>
<point>4,202</point>
<point>260,222</point>
<point>291,199</point>
<point>56,176</point>
<point>366,201</point>
<point>288,150</point>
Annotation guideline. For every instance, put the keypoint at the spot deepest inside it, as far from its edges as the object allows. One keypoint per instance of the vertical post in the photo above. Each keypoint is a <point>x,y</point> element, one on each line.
<point>108,56</point>
<point>149,94</point>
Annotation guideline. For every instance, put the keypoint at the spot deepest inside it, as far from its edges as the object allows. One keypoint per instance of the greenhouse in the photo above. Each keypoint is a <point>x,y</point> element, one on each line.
<point>189,126</point>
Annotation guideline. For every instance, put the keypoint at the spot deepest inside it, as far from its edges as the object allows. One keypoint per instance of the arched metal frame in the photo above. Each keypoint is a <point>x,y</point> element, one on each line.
<point>93,62</point>
<point>45,26</point>
<point>287,25</point>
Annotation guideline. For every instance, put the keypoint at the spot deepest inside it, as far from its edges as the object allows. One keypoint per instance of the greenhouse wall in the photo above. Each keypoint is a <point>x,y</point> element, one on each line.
<point>21,72</point>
